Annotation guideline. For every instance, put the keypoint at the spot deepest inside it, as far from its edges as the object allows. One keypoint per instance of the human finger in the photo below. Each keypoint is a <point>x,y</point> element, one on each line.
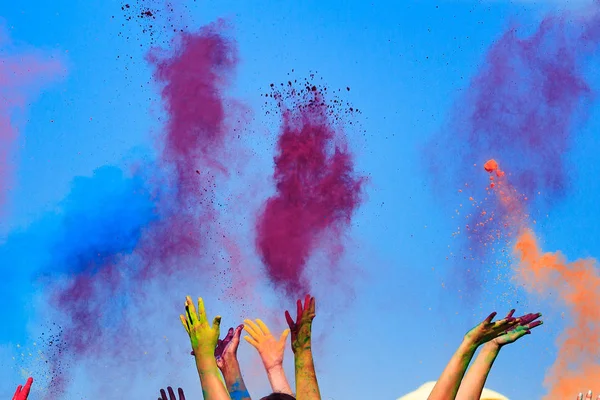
<point>17,391</point>
<point>185,323</point>
<point>163,395</point>
<point>217,323</point>
<point>251,328</point>
<point>181,394</point>
<point>191,311</point>
<point>201,311</point>
<point>229,335</point>
<point>263,327</point>
<point>284,335</point>
<point>306,301</point>
<point>588,395</point>
<point>489,318</point>
<point>171,393</point>
<point>289,320</point>
<point>253,342</point>
<point>238,332</point>
<point>298,310</point>
<point>27,388</point>
<point>534,324</point>
<point>510,313</point>
<point>313,306</point>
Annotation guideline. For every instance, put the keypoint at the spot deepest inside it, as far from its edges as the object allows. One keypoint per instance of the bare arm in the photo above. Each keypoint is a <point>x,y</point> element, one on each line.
<point>203,338</point>
<point>226,357</point>
<point>271,352</point>
<point>307,387</point>
<point>474,382</point>
<point>447,385</point>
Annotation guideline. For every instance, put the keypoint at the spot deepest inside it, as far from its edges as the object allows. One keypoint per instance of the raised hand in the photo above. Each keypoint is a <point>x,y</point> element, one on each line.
<point>301,328</point>
<point>526,323</point>
<point>488,330</point>
<point>307,387</point>
<point>227,348</point>
<point>271,352</point>
<point>163,394</point>
<point>270,349</point>
<point>22,392</point>
<point>447,386</point>
<point>588,396</point>
<point>474,381</point>
<point>203,337</point>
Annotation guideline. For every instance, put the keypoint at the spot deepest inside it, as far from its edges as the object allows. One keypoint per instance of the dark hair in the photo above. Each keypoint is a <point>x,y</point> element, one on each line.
<point>278,396</point>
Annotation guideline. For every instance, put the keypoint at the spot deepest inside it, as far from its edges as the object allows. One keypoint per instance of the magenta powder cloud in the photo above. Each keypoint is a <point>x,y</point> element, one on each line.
<point>22,73</point>
<point>317,190</point>
<point>120,231</point>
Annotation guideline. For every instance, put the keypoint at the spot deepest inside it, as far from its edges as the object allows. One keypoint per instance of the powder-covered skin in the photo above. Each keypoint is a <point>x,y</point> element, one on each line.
<point>317,189</point>
<point>523,108</point>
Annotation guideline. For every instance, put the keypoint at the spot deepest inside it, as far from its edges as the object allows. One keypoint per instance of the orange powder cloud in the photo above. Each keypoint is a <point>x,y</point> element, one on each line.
<point>576,367</point>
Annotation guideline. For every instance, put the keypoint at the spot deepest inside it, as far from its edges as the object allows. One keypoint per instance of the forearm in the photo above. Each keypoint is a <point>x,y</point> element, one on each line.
<point>449,382</point>
<point>210,379</point>
<point>474,381</point>
<point>307,387</point>
<point>278,380</point>
<point>234,380</point>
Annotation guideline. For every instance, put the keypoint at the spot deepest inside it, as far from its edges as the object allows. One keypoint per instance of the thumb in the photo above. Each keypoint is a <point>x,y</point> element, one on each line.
<point>284,335</point>
<point>217,322</point>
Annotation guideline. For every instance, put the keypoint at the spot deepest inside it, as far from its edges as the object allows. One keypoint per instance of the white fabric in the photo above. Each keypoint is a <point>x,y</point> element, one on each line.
<point>425,390</point>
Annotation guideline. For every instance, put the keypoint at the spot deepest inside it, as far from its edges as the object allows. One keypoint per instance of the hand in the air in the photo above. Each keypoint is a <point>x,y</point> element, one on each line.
<point>488,330</point>
<point>204,337</point>
<point>526,323</point>
<point>227,348</point>
<point>301,328</point>
<point>23,391</point>
<point>163,394</point>
<point>588,396</point>
<point>270,349</point>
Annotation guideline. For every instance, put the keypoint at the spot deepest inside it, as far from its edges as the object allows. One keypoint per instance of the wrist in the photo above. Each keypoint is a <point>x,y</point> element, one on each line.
<point>274,369</point>
<point>205,363</point>
<point>491,347</point>
<point>470,343</point>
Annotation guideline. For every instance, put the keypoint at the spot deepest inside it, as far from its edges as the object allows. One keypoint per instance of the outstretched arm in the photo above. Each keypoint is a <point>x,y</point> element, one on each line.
<point>203,338</point>
<point>226,356</point>
<point>271,352</point>
<point>474,381</point>
<point>307,387</point>
<point>447,385</point>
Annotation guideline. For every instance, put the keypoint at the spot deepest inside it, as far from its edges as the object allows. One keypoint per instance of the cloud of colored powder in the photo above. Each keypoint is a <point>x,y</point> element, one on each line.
<point>317,189</point>
<point>119,233</point>
<point>577,284</point>
<point>23,72</point>
<point>522,107</point>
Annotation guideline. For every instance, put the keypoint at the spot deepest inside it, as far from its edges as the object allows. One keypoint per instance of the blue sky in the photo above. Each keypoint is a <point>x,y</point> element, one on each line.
<point>405,63</point>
